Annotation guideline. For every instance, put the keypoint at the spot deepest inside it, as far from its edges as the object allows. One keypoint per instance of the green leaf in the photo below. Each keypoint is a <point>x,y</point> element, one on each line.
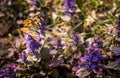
<point>2,53</point>
<point>76,26</point>
<point>38,1</point>
<point>45,54</point>
<point>102,22</point>
<point>79,3</point>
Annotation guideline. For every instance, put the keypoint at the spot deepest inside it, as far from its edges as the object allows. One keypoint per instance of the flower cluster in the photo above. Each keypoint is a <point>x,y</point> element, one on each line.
<point>69,7</point>
<point>32,48</point>
<point>92,59</point>
<point>31,45</point>
<point>10,71</point>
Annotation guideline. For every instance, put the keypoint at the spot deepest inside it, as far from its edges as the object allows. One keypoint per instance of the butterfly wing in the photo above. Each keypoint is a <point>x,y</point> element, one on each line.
<point>28,23</point>
<point>37,20</point>
<point>32,33</point>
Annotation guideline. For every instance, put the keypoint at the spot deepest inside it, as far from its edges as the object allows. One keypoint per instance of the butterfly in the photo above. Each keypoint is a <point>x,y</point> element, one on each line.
<point>31,26</point>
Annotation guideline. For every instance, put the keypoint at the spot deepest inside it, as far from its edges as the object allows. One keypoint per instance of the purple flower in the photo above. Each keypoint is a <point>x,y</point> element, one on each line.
<point>22,57</point>
<point>118,60</point>
<point>33,2</point>
<point>97,43</point>
<point>95,58</point>
<point>87,57</point>
<point>87,66</point>
<point>75,38</point>
<point>32,45</point>
<point>43,28</point>
<point>69,7</point>
<point>6,1</point>
<point>9,71</point>
<point>57,44</point>
<point>95,67</point>
<point>118,52</point>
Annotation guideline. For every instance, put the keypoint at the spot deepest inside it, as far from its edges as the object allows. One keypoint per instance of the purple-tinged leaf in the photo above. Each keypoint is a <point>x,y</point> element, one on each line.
<point>56,62</point>
<point>82,72</point>
<point>115,49</point>
<point>113,65</point>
